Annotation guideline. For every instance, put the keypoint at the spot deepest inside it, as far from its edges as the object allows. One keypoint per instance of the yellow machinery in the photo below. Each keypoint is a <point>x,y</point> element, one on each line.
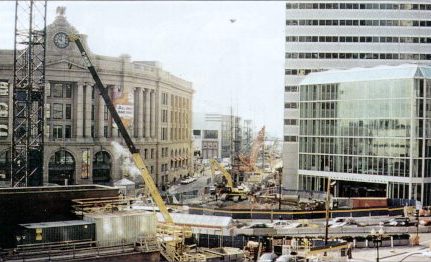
<point>230,191</point>
<point>172,236</point>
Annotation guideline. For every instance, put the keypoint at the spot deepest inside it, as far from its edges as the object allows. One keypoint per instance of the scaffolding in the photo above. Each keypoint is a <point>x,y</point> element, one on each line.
<point>28,93</point>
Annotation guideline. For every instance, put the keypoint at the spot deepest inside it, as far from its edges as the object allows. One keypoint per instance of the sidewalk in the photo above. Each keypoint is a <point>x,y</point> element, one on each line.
<point>387,254</point>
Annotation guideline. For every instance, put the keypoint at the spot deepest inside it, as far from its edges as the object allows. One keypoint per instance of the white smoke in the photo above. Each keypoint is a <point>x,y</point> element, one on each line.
<point>127,165</point>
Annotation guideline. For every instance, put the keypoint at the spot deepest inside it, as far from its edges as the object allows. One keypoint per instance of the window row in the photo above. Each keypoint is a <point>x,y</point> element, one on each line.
<point>290,138</point>
<point>164,152</point>
<point>291,105</point>
<point>361,90</point>
<point>291,89</point>
<point>360,39</point>
<point>358,109</point>
<point>290,122</point>
<point>375,6</point>
<point>181,102</point>
<point>371,128</point>
<point>365,146</point>
<point>363,165</point>
<point>396,56</point>
<point>59,111</point>
<point>306,22</point>
<point>59,131</point>
<point>301,72</point>
<point>59,90</point>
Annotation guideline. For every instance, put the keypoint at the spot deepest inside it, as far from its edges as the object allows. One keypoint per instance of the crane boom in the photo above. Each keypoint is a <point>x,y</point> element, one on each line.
<point>257,144</point>
<point>130,145</point>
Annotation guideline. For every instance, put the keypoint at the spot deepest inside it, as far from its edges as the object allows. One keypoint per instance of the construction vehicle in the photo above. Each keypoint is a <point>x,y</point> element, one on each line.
<point>228,191</point>
<point>171,236</point>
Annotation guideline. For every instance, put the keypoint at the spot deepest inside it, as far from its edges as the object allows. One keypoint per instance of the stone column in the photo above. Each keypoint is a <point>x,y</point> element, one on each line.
<point>153,114</point>
<point>147,113</point>
<point>80,110</point>
<point>88,106</point>
<point>114,128</point>
<point>140,121</point>
<point>100,117</point>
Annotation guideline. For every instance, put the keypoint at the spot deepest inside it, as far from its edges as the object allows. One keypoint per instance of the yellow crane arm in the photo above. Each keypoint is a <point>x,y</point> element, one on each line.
<point>154,192</point>
<point>216,165</point>
<point>131,146</point>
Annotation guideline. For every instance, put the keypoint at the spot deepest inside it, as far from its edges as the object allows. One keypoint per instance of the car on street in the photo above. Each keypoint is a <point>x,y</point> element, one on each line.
<point>425,222</point>
<point>342,222</point>
<point>280,224</point>
<point>259,225</point>
<point>301,225</point>
<point>397,221</point>
<point>267,257</point>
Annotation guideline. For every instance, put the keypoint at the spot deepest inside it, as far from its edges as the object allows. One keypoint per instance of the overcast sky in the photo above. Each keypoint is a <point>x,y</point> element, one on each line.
<point>239,64</point>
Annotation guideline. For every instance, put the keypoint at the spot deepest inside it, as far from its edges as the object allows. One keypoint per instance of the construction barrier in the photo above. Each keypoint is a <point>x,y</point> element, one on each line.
<point>294,215</point>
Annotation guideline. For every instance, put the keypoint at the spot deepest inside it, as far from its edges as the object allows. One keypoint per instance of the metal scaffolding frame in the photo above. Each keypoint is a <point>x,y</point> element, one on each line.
<point>28,93</point>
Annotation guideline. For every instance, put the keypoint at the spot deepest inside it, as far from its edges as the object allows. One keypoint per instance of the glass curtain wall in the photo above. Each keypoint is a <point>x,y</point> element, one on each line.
<point>367,128</point>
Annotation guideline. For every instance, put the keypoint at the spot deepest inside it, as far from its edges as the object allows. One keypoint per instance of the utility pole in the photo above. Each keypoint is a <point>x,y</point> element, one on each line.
<point>328,192</point>
<point>279,189</point>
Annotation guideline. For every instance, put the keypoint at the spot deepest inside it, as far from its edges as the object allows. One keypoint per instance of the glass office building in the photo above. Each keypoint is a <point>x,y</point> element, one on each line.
<point>343,34</point>
<point>369,129</point>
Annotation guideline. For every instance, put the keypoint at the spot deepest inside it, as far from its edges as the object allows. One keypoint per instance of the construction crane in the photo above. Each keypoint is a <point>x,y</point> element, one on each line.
<point>173,236</point>
<point>249,162</point>
<point>229,191</point>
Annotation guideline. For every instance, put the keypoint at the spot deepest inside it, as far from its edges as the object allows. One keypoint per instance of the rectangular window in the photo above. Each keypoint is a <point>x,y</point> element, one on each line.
<point>92,112</point>
<point>164,116</point>
<point>105,131</point>
<point>290,121</point>
<point>67,131</point>
<point>68,90</point>
<point>152,153</point>
<point>291,105</point>
<point>57,131</point>
<point>165,99</point>
<point>57,111</point>
<point>48,111</point>
<point>68,111</point>
<point>105,112</point>
<point>57,90</point>
<point>290,138</point>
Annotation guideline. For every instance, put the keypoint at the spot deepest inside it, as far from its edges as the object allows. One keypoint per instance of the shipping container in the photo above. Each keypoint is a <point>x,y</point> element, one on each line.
<point>368,202</point>
<point>59,231</point>
<point>122,228</point>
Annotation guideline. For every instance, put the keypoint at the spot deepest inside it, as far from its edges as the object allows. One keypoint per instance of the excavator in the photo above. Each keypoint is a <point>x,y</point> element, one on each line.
<point>229,192</point>
<point>171,236</point>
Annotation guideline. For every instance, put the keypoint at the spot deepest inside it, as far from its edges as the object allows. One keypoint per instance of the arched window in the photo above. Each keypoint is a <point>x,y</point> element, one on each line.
<point>102,163</point>
<point>61,168</point>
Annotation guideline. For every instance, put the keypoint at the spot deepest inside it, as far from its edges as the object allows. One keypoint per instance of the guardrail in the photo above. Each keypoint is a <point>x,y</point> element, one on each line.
<point>333,232</point>
<point>292,214</point>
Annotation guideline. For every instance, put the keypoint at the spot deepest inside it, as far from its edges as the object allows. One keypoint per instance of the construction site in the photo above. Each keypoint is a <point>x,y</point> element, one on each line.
<point>225,210</point>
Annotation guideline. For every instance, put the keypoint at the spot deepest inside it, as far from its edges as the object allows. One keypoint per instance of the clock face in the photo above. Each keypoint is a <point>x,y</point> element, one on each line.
<point>61,40</point>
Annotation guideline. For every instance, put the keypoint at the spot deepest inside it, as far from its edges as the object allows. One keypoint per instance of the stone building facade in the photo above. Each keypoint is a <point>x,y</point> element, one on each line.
<point>154,105</point>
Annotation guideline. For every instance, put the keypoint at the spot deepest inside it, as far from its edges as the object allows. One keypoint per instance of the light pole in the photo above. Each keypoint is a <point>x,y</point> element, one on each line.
<point>377,240</point>
<point>328,193</point>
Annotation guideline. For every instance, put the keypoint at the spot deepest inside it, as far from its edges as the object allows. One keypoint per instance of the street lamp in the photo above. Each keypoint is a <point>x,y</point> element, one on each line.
<point>328,193</point>
<point>377,238</point>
